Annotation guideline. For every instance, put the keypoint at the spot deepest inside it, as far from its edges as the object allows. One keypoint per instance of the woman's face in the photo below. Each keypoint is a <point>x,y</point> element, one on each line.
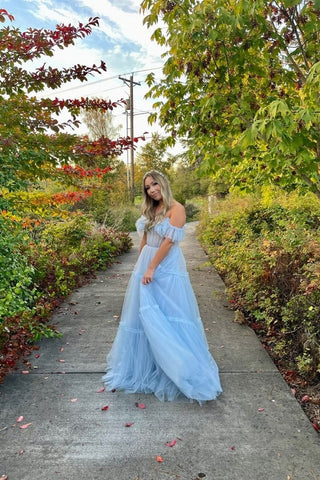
<point>152,188</point>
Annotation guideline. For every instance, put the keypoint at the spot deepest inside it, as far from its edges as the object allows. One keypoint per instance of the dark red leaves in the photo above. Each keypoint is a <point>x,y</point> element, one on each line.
<point>86,103</point>
<point>140,405</point>
<point>78,171</point>
<point>129,424</point>
<point>104,409</point>
<point>3,14</point>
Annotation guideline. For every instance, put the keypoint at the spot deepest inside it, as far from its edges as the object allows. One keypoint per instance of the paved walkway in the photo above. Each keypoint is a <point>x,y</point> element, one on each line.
<point>256,430</point>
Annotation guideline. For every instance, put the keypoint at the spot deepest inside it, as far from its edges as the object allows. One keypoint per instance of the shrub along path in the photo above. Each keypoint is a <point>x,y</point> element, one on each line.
<point>255,430</point>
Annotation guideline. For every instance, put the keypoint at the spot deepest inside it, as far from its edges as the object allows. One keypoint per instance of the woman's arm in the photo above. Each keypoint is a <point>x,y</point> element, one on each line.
<point>143,241</point>
<point>177,219</point>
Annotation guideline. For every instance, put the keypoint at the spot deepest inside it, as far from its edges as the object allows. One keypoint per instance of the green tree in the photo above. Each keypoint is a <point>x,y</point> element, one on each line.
<point>241,84</point>
<point>186,183</point>
<point>152,156</point>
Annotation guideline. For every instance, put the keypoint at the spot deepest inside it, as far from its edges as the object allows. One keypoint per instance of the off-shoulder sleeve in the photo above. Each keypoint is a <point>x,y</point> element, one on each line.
<point>140,225</point>
<point>165,229</point>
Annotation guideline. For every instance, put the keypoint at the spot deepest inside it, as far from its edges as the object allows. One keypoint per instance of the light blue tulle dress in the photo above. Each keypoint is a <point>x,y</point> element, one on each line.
<point>160,346</point>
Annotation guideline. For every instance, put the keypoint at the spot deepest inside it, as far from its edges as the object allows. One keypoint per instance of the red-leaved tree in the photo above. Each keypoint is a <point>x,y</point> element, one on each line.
<point>33,141</point>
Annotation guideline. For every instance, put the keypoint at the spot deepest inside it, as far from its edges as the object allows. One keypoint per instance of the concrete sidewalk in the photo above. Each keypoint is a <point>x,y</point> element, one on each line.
<point>256,429</point>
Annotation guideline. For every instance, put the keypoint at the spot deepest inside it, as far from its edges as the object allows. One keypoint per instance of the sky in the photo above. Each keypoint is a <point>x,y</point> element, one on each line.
<point>121,41</point>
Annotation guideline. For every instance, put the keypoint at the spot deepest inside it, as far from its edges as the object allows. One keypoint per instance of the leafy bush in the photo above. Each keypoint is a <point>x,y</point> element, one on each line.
<point>17,291</point>
<point>38,275</point>
<point>192,212</point>
<point>268,253</point>
<point>122,219</point>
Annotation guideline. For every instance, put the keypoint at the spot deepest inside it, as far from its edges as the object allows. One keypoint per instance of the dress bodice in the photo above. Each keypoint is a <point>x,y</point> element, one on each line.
<point>161,230</point>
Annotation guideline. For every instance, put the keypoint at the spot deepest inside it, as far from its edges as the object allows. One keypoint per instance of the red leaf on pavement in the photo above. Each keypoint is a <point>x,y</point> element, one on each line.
<point>316,427</point>
<point>37,355</point>
<point>25,372</point>
<point>61,361</point>
<point>19,419</point>
<point>61,349</point>
<point>140,405</point>
<point>261,409</point>
<point>101,390</point>
<point>21,452</point>
<point>73,400</point>
<point>129,424</point>
<point>233,447</point>
<point>171,444</point>
<point>26,425</point>
<point>305,398</point>
<point>159,459</point>
<point>105,408</point>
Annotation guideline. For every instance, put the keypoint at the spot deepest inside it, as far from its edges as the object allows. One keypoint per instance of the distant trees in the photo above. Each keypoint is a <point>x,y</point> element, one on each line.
<point>153,155</point>
<point>100,123</point>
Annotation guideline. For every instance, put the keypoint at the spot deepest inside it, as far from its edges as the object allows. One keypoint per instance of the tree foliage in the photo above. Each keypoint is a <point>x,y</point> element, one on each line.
<point>152,156</point>
<point>100,124</point>
<point>33,139</point>
<point>241,83</point>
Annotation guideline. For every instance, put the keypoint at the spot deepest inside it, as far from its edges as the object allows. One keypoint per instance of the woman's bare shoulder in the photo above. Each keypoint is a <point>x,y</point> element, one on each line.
<point>177,214</point>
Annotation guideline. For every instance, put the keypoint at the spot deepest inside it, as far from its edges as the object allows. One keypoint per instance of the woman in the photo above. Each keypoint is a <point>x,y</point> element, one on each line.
<point>160,345</point>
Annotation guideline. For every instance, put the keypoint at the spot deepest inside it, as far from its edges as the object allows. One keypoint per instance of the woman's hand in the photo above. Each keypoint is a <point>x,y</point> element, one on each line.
<point>148,276</point>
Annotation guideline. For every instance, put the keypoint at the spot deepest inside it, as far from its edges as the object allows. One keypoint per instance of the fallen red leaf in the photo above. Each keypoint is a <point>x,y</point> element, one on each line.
<point>140,405</point>
<point>26,425</point>
<point>129,424</point>
<point>159,459</point>
<point>171,444</point>
<point>21,452</point>
<point>61,361</point>
<point>61,349</point>
<point>73,400</point>
<point>37,355</point>
<point>25,372</point>
<point>105,408</point>
<point>305,398</point>
<point>19,419</point>
<point>316,427</point>
<point>260,409</point>
<point>101,390</point>
<point>233,447</point>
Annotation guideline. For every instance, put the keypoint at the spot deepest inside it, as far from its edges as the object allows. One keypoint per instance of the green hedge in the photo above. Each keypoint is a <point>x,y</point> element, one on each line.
<point>267,250</point>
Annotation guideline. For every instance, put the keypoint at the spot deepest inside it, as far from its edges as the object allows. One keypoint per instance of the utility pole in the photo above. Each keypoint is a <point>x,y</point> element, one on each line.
<point>131,84</point>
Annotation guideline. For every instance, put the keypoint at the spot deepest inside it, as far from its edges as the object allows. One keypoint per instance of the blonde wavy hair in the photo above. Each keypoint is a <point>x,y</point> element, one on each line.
<point>149,205</point>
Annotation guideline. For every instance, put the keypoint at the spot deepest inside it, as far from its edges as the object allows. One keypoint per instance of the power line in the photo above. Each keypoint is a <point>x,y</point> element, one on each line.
<point>103,80</point>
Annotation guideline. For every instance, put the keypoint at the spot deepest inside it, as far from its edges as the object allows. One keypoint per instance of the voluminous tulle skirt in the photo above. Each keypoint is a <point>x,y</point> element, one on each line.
<point>160,346</point>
